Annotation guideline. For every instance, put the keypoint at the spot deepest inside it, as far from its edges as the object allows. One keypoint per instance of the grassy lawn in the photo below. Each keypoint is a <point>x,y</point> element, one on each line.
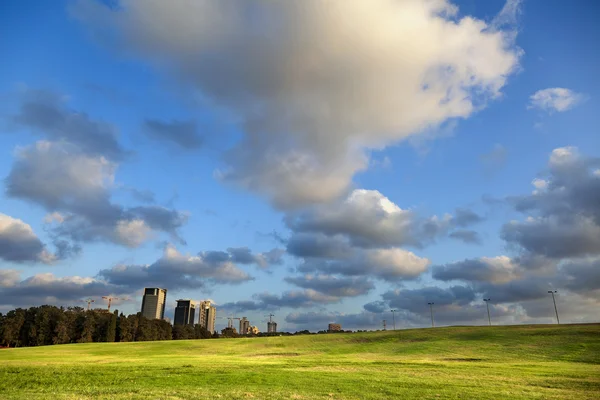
<point>514,362</point>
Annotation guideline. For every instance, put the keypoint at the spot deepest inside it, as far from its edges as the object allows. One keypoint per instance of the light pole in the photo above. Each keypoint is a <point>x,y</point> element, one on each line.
<point>394,318</point>
<point>431,309</point>
<point>554,301</point>
<point>488,308</point>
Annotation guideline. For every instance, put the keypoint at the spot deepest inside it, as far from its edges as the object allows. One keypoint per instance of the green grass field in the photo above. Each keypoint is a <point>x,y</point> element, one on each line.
<point>514,362</point>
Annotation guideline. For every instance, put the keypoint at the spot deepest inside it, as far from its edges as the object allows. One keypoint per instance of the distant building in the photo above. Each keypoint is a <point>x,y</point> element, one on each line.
<point>334,328</point>
<point>153,303</point>
<point>253,330</point>
<point>271,327</point>
<point>185,312</point>
<point>208,314</point>
<point>244,326</point>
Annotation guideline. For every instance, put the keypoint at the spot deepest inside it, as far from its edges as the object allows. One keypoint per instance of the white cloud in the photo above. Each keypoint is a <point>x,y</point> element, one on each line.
<point>132,233</point>
<point>555,99</point>
<point>313,90</point>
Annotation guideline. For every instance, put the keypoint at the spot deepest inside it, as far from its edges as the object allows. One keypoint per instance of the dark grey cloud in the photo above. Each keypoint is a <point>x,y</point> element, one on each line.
<point>415,300</point>
<point>49,289</point>
<point>333,286</point>
<point>563,210</point>
<point>498,269</point>
<point>182,133</point>
<point>290,299</point>
<point>45,114</point>
<point>464,217</point>
<point>178,271</point>
<point>377,307</point>
<point>318,246</point>
<point>76,189</point>
<point>581,276</point>
<point>20,244</point>
<point>161,219</point>
<point>466,236</point>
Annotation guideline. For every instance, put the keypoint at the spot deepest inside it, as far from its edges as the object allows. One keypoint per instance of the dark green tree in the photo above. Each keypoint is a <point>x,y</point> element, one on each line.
<point>111,332</point>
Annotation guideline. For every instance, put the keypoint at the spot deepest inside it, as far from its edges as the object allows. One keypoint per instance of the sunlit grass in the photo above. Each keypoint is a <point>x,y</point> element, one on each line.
<point>524,362</point>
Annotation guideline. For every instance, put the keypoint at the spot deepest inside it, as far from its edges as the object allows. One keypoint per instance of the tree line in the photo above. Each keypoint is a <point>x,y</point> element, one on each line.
<point>46,325</point>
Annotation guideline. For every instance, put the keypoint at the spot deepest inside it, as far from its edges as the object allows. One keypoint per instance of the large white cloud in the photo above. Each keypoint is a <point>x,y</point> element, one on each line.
<point>314,85</point>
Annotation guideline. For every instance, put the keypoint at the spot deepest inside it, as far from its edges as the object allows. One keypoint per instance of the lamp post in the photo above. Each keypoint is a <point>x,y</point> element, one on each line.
<point>394,318</point>
<point>488,310</point>
<point>554,301</point>
<point>431,310</point>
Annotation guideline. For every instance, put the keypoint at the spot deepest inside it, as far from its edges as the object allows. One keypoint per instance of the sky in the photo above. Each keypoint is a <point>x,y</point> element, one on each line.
<point>321,161</point>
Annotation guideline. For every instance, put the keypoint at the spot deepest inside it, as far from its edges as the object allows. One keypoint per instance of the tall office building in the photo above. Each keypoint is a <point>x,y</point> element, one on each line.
<point>185,312</point>
<point>153,303</point>
<point>208,314</point>
<point>244,326</point>
<point>271,327</point>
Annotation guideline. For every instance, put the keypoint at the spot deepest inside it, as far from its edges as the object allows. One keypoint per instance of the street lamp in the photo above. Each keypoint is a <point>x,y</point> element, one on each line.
<point>431,309</point>
<point>394,318</point>
<point>554,301</point>
<point>488,308</point>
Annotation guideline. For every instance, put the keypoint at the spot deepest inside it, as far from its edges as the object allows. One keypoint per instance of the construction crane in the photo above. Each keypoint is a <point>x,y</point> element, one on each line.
<point>89,302</point>
<point>110,299</point>
<point>229,320</point>
<point>384,325</point>
<point>270,317</point>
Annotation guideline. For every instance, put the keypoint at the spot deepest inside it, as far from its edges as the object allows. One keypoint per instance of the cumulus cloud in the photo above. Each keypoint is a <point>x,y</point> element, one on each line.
<point>243,255</point>
<point>46,114</point>
<point>366,218</point>
<point>20,244</point>
<point>333,286</point>
<point>49,289</point>
<point>290,299</point>
<point>466,236</point>
<point>555,100</point>
<point>75,188</point>
<point>311,92</point>
<point>178,271</point>
<point>496,270</point>
<point>563,212</point>
<point>392,264</point>
<point>181,133</point>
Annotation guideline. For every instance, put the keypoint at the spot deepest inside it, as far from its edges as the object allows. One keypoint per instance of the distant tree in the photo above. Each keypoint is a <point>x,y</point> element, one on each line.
<point>111,332</point>
<point>11,328</point>
<point>229,333</point>
<point>124,329</point>
<point>201,332</point>
<point>61,328</point>
<point>88,327</point>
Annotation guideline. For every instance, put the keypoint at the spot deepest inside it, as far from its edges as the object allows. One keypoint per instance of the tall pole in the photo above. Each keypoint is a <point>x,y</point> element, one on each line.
<point>394,318</point>
<point>554,301</point>
<point>488,308</point>
<point>431,310</point>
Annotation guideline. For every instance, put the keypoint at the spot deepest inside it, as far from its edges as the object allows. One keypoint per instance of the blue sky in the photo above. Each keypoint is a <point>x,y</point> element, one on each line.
<point>152,75</point>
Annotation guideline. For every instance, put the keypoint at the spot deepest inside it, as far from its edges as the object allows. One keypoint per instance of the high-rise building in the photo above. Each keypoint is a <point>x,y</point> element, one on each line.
<point>271,327</point>
<point>208,314</point>
<point>244,326</point>
<point>334,328</point>
<point>185,312</point>
<point>153,303</point>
